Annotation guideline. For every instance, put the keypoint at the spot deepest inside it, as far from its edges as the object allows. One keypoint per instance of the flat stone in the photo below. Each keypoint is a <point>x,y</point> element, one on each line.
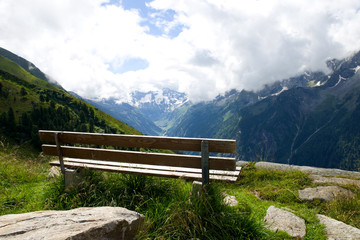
<point>325,193</point>
<point>277,219</point>
<point>334,180</point>
<point>242,163</point>
<point>103,223</point>
<point>306,169</point>
<point>337,230</point>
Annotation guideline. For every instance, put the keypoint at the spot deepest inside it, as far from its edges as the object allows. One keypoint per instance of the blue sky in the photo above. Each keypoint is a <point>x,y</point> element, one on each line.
<point>151,16</point>
<point>103,48</point>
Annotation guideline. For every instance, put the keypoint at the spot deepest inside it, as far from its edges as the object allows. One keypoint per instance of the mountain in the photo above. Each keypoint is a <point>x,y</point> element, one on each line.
<point>27,66</point>
<point>127,114</point>
<point>219,117</point>
<point>28,103</point>
<point>164,107</point>
<point>312,119</point>
<point>157,104</point>
<point>307,126</point>
<point>151,112</point>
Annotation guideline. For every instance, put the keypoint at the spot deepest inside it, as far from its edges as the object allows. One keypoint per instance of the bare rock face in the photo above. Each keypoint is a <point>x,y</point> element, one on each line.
<point>103,223</point>
<point>338,230</point>
<point>326,193</point>
<point>277,219</point>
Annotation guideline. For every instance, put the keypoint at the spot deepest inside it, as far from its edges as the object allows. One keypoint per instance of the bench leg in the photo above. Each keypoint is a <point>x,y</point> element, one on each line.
<point>73,177</point>
<point>205,162</point>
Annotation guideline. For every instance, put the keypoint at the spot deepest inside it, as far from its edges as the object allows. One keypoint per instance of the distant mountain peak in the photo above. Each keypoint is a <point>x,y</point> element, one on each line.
<point>165,99</point>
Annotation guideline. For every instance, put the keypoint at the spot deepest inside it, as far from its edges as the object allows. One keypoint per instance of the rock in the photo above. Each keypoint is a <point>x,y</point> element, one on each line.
<point>197,188</point>
<point>54,172</point>
<point>230,200</point>
<point>306,169</point>
<point>335,180</point>
<point>81,224</point>
<point>242,163</point>
<point>337,230</point>
<point>278,219</point>
<point>326,193</point>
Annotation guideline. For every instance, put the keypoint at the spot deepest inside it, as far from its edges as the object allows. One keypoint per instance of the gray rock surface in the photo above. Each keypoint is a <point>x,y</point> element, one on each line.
<point>337,230</point>
<point>277,219</point>
<point>306,169</point>
<point>326,193</point>
<point>242,163</point>
<point>81,224</point>
<point>334,180</point>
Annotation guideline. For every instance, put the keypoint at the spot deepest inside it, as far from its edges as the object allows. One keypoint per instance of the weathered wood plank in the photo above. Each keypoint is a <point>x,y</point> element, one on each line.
<point>171,143</point>
<point>139,171</point>
<point>155,167</point>
<point>173,160</point>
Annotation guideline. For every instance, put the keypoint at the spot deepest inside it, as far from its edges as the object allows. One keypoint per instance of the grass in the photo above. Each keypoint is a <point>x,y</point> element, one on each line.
<point>172,210</point>
<point>23,179</point>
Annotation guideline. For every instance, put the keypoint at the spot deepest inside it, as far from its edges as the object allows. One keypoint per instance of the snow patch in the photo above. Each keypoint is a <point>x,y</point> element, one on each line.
<point>356,69</point>
<point>282,90</point>
<point>340,79</point>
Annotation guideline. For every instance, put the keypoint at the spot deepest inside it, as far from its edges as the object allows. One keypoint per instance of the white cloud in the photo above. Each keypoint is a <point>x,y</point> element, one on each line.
<point>223,44</point>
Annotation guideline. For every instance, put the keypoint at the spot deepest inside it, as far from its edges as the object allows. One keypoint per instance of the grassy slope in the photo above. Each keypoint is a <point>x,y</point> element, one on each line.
<point>9,66</point>
<point>23,178</point>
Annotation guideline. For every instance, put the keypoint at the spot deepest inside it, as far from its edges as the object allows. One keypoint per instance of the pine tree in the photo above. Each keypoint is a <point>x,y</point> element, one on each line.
<point>11,119</point>
<point>23,92</point>
<point>91,125</point>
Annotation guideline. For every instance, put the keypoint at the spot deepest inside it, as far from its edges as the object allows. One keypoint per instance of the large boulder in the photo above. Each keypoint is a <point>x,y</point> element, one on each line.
<point>338,230</point>
<point>81,224</point>
<point>324,193</point>
<point>277,219</point>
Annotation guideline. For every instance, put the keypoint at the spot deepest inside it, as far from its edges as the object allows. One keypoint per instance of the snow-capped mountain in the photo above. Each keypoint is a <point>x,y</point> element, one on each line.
<point>157,104</point>
<point>149,112</point>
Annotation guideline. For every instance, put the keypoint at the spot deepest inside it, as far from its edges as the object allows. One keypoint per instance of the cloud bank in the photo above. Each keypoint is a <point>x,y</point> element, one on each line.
<point>102,49</point>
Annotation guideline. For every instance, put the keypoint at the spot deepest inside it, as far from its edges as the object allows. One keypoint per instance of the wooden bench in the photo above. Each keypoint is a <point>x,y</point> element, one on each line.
<point>170,165</point>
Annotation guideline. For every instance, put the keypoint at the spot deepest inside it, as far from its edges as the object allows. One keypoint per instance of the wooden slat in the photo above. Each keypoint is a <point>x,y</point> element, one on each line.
<point>154,167</point>
<point>171,143</point>
<point>158,173</point>
<point>173,160</point>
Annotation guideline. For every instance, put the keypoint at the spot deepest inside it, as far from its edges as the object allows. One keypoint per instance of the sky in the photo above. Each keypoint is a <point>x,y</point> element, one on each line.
<point>109,48</point>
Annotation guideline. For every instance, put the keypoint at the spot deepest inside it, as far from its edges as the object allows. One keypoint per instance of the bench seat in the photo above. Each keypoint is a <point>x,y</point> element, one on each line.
<point>150,170</point>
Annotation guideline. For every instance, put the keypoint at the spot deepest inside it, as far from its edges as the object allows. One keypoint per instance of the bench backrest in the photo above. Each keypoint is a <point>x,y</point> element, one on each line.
<point>136,141</point>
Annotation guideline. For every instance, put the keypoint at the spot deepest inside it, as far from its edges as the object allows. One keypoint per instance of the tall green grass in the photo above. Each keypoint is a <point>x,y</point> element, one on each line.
<point>22,178</point>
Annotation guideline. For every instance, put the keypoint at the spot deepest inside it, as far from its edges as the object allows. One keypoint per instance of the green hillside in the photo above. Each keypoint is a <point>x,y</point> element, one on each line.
<point>28,104</point>
<point>10,67</point>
